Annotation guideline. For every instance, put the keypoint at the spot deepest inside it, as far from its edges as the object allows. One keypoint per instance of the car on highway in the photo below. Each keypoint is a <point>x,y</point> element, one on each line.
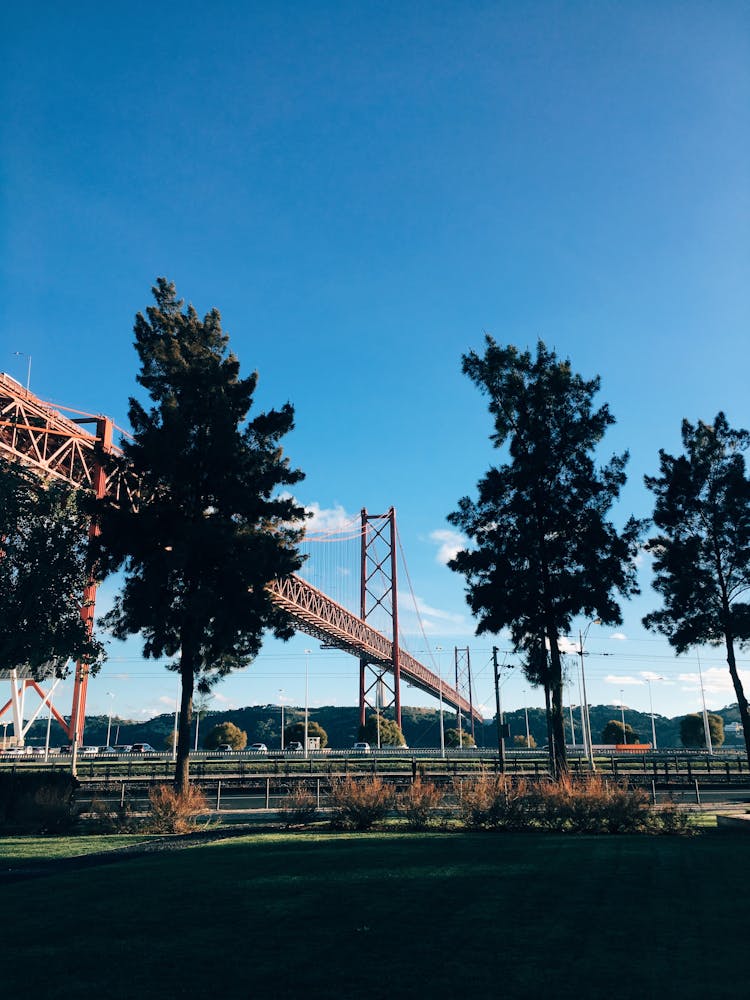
<point>225,748</point>
<point>361,747</point>
<point>142,748</point>
<point>87,751</point>
<point>123,748</point>
<point>258,748</point>
<point>107,750</point>
<point>294,747</point>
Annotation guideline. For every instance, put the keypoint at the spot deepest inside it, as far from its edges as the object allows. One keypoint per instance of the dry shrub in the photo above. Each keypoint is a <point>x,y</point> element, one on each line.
<point>37,802</point>
<point>671,819</point>
<point>359,804</point>
<point>494,802</point>
<point>107,818</point>
<point>172,812</point>
<point>594,805</point>
<point>418,803</point>
<point>299,808</point>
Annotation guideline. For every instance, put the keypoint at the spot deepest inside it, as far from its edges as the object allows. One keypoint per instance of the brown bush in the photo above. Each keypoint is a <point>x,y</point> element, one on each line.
<point>359,804</point>
<point>495,802</point>
<point>172,812</point>
<point>418,804</point>
<point>593,805</point>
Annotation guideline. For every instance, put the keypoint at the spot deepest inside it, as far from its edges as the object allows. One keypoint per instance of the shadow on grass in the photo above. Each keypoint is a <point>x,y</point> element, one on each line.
<point>373,916</point>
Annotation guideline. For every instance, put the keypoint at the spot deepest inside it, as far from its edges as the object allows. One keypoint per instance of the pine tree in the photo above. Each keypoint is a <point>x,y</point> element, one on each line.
<point>542,548</point>
<point>43,573</point>
<point>209,527</point>
<point>702,551</point>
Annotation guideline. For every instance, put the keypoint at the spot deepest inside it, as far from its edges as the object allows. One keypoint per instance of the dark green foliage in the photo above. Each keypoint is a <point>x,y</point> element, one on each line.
<point>458,738</point>
<point>702,549</point>
<point>37,802</point>
<point>225,732</point>
<point>379,731</point>
<point>211,526</point>
<point>542,550</point>
<point>693,731</point>
<point>613,733</point>
<point>43,573</point>
<point>296,733</point>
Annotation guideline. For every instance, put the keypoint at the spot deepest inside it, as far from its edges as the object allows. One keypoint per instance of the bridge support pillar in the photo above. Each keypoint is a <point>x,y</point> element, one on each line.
<point>380,689</point>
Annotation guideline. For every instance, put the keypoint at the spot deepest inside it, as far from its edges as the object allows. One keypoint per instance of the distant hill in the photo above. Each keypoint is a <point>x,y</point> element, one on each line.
<point>421,726</point>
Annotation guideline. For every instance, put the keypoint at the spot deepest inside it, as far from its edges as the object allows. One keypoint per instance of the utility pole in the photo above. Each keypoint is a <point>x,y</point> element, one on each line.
<point>500,722</point>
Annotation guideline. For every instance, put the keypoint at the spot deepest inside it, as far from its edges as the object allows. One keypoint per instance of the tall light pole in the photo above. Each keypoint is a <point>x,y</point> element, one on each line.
<point>281,702</point>
<point>499,710</point>
<point>585,716</point>
<point>109,720</point>
<point>439,650</point>
<point>23,354</point>
<point>526,713</point>
<point>307,693</point>
<point>651,709</point>
<point>706,727</point>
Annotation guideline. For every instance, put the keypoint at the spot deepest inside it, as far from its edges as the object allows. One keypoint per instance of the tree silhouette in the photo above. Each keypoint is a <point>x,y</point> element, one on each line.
<point>542,550</point>
<point>702,549</point>
<point>210,527</point>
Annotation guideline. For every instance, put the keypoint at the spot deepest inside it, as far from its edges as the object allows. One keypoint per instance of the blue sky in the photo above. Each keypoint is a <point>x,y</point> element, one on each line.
<point>363,189</point>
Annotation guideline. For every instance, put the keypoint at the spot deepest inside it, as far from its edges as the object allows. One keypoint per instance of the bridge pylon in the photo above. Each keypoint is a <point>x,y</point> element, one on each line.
<point>462,660</point>
<point>379,686</point>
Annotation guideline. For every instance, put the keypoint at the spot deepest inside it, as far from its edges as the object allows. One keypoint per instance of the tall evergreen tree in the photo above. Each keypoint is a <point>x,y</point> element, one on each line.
<point>210,527</point>
<point>43,573</point>
<point>543,550</point>
<point>702,550</point>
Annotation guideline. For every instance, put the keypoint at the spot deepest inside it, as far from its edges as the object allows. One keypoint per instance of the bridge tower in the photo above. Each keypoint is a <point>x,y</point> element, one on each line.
<point>463,683</point>
<point>379,687</point>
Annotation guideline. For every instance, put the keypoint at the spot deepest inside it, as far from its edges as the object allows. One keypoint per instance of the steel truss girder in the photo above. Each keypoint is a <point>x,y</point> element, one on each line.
<point>317,615</point>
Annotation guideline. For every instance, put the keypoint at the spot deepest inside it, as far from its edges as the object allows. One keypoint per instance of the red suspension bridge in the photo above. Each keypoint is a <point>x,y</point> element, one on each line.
<point>76,449</point>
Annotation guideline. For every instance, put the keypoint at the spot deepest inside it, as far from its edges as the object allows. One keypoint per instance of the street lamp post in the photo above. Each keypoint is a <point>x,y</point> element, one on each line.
<point>651,709</point>
<point>585,716</point>
<point>706,727</point>
<point>307,693</point>
<point>23,354</point>
<point>109,720</point>
<point>439,650</point>
<point>499,710</point>
<point>526,713</point>
<point>281,703</point>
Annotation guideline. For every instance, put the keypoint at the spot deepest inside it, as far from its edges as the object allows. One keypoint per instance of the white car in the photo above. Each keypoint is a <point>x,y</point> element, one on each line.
<point>362,747</point>
<point>258,748</point>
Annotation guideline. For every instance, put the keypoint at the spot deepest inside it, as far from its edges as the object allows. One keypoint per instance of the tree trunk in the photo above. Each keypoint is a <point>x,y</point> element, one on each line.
<point>557,722</point>
<point>187,682</point>
<point>740,693</point>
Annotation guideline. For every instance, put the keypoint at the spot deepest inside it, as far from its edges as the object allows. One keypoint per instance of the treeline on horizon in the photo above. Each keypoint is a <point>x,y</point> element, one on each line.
<point>421,726</point>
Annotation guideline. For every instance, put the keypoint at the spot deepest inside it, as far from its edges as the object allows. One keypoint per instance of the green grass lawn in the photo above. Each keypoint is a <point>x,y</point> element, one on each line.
<point>15,849</point>
<point>370,916</point>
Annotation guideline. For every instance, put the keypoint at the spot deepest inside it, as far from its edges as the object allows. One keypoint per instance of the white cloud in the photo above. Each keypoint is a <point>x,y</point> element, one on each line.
<point>624,680</point>
<point>620,636</point>
<point>649,675</point>
<point>449,544</point>
<point>716,680</point>
<point>425,609</point>
<point>166,700</point>
<point>327,519</point>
